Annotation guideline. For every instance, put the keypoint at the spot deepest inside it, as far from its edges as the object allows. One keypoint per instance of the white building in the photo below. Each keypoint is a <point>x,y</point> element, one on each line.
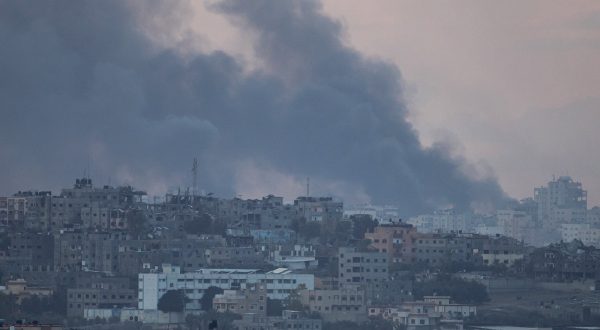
<point>295,257</point>
<point>279,283</point>
<point>515,224</point>
<point>587,233</point>
<point>445,221</point>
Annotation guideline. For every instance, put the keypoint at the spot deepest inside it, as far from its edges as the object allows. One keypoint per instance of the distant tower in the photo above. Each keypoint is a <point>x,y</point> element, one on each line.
<point>194,177</point>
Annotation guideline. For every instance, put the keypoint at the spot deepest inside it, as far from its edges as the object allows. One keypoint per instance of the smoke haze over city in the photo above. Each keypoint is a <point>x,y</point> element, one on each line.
<point>130,93</point>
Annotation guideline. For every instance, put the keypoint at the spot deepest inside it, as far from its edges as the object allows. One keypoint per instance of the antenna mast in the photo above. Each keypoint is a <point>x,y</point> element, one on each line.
<point>307,186</point>
<point>194,178</point>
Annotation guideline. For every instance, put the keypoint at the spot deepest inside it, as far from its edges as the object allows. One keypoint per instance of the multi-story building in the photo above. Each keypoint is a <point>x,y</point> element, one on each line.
<point>251,299</point>
<point>31,251</point>
<point>563,261</point>
<point>99,292</point>
<point>439,249</point>
<point>501,250</point>
<point>233,256</point>
<point>345,304</point>
<point>593,216</point>
<point>444,221</point>
<point>361,267</point>
<point>30,209</point>
<point>279,283</point>
<point>13,211</point>
<point>91,207</point>
<point>76,250</point>
<point>562,194</point>
<point>588,234</point>
<point>319,208</point>
<point>515,224</point>
<point>396,240</point>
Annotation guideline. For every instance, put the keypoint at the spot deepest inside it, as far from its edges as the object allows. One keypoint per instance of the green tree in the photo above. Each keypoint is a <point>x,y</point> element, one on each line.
<point>461,291</point>
<point>173,301</point>
<point>209,295</point>
<point>361,224</point>
<point>274,307</point>
<point>8,306</point>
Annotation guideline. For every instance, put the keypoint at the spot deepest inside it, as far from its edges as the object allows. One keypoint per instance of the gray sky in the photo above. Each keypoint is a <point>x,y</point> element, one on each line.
<point>514,84</point>
<point>421,104</point>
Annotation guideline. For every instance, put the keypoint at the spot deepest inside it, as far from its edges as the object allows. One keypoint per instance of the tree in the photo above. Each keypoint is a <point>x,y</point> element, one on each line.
<point>209,295</point>
<point>136,222</point>
<point>173,301</point>
<point>361,224</point>
<point>8,306</point>
<point>274,307</point>
<point>461,291</point>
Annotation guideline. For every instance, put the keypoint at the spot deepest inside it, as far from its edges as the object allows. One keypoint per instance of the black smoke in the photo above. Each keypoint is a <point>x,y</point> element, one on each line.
<point>81,82</point>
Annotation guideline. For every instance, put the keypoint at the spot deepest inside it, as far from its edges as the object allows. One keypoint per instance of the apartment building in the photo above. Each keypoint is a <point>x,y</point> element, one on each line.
<point>361,267</point>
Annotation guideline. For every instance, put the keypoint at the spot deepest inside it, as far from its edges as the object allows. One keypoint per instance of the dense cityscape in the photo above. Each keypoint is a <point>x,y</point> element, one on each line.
<point>103,257</point>
<point>299,165</point>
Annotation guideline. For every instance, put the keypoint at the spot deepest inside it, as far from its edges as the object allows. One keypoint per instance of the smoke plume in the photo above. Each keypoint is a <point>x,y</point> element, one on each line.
<point>83,85</point>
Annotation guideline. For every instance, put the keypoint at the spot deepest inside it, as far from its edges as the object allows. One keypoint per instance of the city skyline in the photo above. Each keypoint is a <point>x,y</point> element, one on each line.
<point>261,113</point>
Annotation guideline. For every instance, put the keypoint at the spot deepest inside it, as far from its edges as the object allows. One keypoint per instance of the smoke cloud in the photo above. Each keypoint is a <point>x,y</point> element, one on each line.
<point>82,85</point>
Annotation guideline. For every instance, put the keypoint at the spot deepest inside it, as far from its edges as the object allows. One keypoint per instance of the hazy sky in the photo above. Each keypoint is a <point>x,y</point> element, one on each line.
<point>515,84</point>
<point>416,103</point>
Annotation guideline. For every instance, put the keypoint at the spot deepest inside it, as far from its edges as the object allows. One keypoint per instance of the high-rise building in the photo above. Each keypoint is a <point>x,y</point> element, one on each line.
<point>562,200</point>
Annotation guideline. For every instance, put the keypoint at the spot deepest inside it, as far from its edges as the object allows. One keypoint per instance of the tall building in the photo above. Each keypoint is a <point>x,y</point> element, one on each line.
<point>562,200</point>
<point>396,240</point>
<point>361,267</point>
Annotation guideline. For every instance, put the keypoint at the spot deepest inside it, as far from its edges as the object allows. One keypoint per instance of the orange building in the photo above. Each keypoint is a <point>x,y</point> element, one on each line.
<point>395,239</point>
